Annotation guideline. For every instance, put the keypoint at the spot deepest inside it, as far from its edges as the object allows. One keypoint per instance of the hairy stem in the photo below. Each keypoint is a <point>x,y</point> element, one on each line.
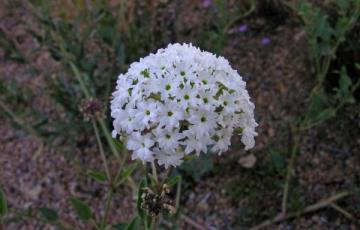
<point>178,195</point>
<point>102,153</point>
<point>154,173</point>
<point>289,175</point>
<point>107,208</point>
<point>110,141</point>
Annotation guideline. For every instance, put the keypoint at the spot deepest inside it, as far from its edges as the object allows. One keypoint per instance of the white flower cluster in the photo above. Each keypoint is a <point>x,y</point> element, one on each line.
<point>179,101</point>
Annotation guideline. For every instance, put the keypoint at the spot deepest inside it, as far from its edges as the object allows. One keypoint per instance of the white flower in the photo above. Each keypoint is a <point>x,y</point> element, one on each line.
<point>197,144</point>
<point>248,138</point>
<point>141,146</point>
<point>169,159</point>
<point>168,139</point>
<point>170,116</point>
<point>187,96</point>
<point>178,101</point>
<point>145,113</point>
<point>223,140</point>
<point>124,120</point>
<point>203,122</point>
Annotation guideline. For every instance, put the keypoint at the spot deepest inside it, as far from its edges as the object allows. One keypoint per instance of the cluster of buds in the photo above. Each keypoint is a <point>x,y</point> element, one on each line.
<point>91,108</point>
<point>154,203</point>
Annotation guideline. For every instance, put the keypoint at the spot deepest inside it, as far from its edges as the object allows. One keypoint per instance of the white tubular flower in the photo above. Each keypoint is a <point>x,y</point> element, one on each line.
<point>141,145</point>
<point>169,159</point>
<point>180,101</point>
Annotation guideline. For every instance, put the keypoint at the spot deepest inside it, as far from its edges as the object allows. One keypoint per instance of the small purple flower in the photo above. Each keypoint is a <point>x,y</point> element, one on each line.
<point>265,41</point>
<point>206,3</point>
<point>242,29</point>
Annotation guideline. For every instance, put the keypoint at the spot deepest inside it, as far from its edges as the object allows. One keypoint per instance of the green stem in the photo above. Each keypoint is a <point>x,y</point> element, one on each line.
<point>337,108</point>
<point>100,120</point>
<point>153,168</point>
<point>178,195</point>
<point>289,175</point>
<point>155,219</point>
<point>118,174</point>
<point>107,208</point>
<point>102,153</point>
<point>110,141</point>
<point>80,80</point>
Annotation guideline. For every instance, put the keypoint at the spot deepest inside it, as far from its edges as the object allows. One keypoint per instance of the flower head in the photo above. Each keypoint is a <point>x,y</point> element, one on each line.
<point>180,101</point>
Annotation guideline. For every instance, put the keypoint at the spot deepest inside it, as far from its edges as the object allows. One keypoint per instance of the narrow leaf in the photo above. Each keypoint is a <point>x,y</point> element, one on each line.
<point>3,203</point>
<point>126,173</point>
<point>172,181</point>
<point>343,4</point>
<point>142,185</point>
<point>97,175</point>
<point>49,214</point>
<point>135,224</point>
<point>120,226</point>
<point>82,210</point>
<point>119,146</point>
<point>277,159</point>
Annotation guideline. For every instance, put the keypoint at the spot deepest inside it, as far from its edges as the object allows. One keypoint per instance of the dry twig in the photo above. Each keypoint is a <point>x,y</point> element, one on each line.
<point>312,208</point>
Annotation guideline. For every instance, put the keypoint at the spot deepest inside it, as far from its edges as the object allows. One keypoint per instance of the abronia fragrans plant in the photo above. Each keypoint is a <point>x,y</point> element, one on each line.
<point>181,101</point>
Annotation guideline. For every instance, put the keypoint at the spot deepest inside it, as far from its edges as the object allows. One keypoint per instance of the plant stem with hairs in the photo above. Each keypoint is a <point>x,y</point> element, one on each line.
<point>102,153</point>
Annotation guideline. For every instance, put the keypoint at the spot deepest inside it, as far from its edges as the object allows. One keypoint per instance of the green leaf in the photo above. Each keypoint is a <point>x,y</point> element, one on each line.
<point>277,159</point>
<point>142,185</point>
<point>135,224</point>
<point>321,26</point>
<point>172,181</point>
<point>82,210</point>
<point>49,214</point>
<point>323,49</point>
<point>120,226</point>
<point>190,157</point>
<point>304,8</point>
<point>341,27</point>
<point>344,90</point>
<point>319,103</point>
<point>119,146</point>
<point>199,166</point>
<point>3,203</point>
<point>29,211</point>
<point>98,176</point>
<point>324,115</point>
<point>125,173</point>
<point>141,212</point>
<point>343,4</point>
<point>357,65</point>
<point>344,81</point>
<point>153,180</point>
<point>120,50</point>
